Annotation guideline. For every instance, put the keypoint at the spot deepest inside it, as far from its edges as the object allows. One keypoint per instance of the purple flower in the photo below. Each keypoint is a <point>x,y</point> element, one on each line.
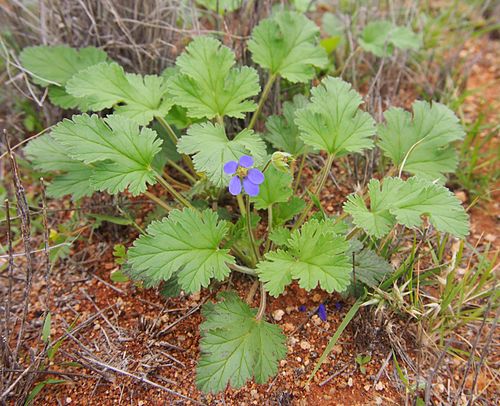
<point>302,308</point>
<point>244,174</point>
<point>322,312</point>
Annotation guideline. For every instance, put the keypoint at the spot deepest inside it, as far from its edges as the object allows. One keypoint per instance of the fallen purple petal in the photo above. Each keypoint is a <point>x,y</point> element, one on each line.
<point>302,308</point>
<point>322,312</point>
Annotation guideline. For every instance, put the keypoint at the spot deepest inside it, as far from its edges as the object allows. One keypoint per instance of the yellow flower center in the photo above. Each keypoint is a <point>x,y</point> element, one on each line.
<point>242,172</point>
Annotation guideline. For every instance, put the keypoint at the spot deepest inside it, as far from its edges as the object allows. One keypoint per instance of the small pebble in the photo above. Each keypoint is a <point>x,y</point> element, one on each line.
<point>350,382</point>
<point>278,315</point>
<point>379,386</point>
<point>316,320</point>
<point>337,349</point>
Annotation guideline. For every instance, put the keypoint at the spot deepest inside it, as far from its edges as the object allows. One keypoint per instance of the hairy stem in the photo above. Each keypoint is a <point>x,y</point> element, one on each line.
<point>321,184</point>
<point>262,306</point>
<point>181,170</point>
<point>173,137</point>
<point>177,196</point>
<point>262,100</point>
<point>246,211</point>
<point>269,227</point>
<point>299,174</point>
<point>242,269</point>
<point>157,200</point>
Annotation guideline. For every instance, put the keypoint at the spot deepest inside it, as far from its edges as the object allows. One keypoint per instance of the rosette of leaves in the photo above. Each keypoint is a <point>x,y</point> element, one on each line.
<point>382,37</point>
<point>286,45</point>
<point>53,66</point>
<point>421,144</point>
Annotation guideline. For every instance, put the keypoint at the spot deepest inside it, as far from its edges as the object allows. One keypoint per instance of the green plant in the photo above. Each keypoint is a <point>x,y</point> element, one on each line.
<point>194,245</point>
<point>362,361</point>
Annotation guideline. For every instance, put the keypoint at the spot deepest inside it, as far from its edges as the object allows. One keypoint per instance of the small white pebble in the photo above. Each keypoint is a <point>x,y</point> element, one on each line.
<point>350,382</point>
<point>305,345</point>
<point>278,314</point>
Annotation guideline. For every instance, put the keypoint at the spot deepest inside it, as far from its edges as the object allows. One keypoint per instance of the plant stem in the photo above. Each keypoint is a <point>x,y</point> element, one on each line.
<point>299,174</point>
<point>250,232</point>
<point>157,200</point>
<point>175,182</point>
<point>181,199</point>
<point>173,137</point>
<point>262,306</point>
<point>170,131</point>
<point>262,100</point>
<point>269,227</point>
<point>321,184</point>
<point>242,269</point>
<point>181,170</point>
<point>246,212</point>
<point>241,205</point>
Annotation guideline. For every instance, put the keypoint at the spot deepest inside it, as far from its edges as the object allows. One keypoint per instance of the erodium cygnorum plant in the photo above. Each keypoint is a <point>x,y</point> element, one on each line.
<point>278,233</point>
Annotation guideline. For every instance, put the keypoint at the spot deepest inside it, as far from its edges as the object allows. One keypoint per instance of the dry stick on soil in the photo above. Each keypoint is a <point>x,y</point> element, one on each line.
<point>484,353</point>
<point>7,359</point>
<point>334,375</point>
<point>171,325</point>
<point>46,247</point>
<point>143,379</point>
<point>23,212</point>
<point>430,378</point>
<point>472,353</point>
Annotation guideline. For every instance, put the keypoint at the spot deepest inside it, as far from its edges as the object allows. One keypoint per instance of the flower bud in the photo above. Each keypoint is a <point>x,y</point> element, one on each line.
<point>282,160</point>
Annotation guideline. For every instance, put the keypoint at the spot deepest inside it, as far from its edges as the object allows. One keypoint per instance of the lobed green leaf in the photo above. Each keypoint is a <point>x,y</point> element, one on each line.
<point>121,155</point>
<point>332,121</point>
<point>185,245</point>
<point>314,255</point>
<point>211,149</point>
<point>405,202</point>
<point>286,45</point>
<point>208,85</point>
<point>106,85</point>
<point>236,347</point>
<point>420,144</point>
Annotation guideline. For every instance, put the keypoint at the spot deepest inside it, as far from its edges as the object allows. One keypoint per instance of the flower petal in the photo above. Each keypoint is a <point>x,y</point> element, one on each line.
<point>251,188</point>
<point>230,167</point>
<point>246,161</point>
<point>235,186</point>
<point>255,176</point>
<point>322,312</point>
